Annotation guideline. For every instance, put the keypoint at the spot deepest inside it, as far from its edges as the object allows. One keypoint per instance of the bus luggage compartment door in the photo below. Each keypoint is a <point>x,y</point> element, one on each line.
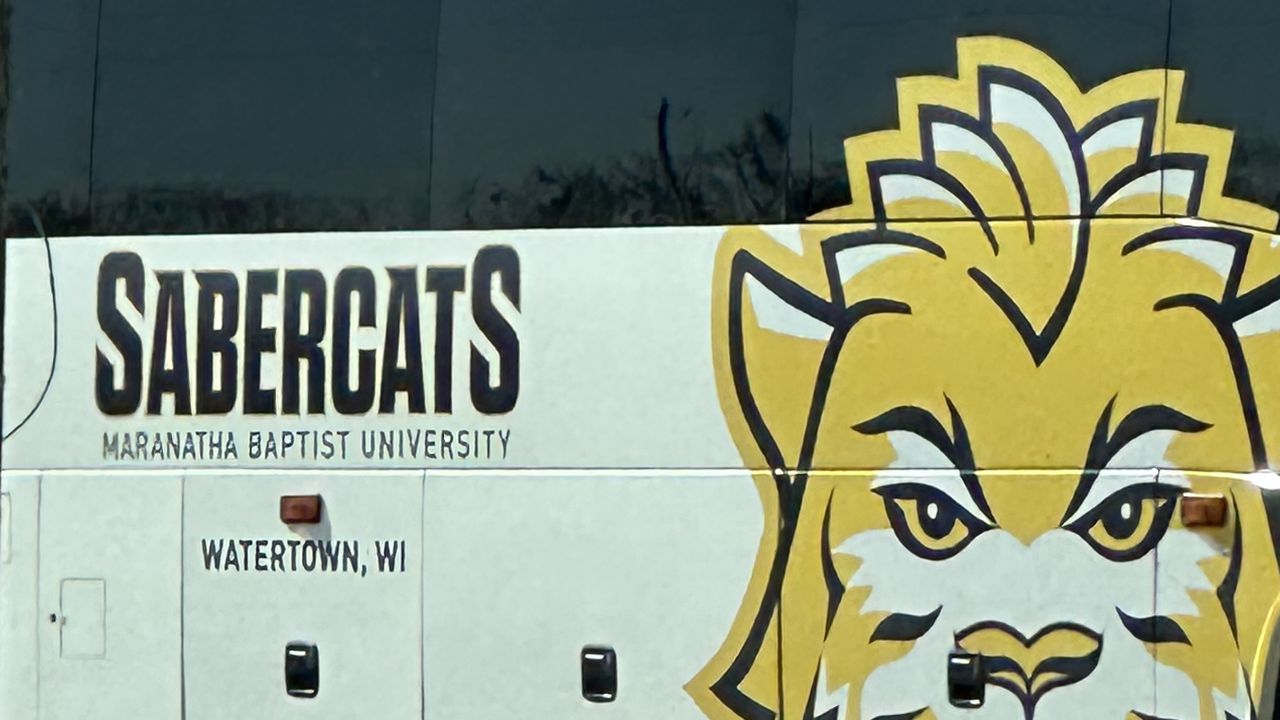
<point>997,594</point>
<point>317,620</point>
<point>109,594</point>
<point>581,594</point>
<point>1215,597</point>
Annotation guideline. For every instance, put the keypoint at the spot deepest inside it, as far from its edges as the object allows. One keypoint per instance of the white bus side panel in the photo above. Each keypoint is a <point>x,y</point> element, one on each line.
<point>109,589</point>
<point>19,521</point>
<point>525,569</point>
<point>321,584</point>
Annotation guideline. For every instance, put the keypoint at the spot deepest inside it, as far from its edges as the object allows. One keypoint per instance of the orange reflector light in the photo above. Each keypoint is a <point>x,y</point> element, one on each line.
<point>1204,510</point>
<point>300,509</point>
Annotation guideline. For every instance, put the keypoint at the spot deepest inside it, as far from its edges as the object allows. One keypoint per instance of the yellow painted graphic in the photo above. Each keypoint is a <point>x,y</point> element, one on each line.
<point>976,398</point>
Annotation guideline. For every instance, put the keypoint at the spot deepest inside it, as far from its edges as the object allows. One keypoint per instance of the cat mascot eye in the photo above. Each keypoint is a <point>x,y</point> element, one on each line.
<point>928,522</point>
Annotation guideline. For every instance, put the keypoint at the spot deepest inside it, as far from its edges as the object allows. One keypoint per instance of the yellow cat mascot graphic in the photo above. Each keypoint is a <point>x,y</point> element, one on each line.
<point>978,399</point>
